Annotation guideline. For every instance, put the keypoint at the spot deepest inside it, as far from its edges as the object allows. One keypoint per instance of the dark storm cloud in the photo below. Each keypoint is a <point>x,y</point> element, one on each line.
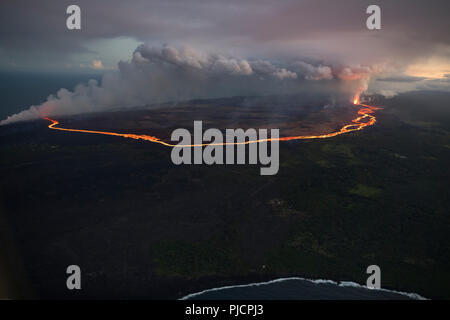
<point>267,27</point>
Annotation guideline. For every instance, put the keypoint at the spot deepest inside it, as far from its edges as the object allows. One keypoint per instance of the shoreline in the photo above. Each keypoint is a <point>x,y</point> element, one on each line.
<point>410,295</point>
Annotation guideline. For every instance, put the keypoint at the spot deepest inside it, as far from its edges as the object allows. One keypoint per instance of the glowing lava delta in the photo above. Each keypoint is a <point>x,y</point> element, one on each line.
<point>365,118</point>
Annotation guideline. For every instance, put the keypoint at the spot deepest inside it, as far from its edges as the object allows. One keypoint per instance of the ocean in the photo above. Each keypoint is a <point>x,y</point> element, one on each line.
<point>22,90</point>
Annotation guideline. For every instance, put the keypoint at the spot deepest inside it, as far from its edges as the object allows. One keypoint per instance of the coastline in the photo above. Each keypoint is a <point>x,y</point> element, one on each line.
<point>346,284</point>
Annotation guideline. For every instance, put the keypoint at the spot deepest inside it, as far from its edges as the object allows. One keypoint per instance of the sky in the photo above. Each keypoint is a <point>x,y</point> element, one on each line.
<point>315,40</point>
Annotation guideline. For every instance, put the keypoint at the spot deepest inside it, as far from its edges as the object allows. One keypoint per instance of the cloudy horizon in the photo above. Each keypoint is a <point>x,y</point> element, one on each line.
<point>153,51</point>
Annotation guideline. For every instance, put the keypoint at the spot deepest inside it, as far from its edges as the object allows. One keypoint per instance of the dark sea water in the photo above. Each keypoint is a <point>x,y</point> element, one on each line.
<point>22,90</point>
<point>300,289</point>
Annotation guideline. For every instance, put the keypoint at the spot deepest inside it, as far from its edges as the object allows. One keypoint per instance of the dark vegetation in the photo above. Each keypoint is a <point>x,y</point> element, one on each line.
<point>141,227</point>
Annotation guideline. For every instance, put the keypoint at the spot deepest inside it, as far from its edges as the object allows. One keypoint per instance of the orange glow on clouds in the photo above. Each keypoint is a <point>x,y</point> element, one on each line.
<point>433,68</point>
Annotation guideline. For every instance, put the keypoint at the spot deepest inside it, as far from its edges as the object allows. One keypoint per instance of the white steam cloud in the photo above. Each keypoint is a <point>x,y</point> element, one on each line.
<point>162,74</point>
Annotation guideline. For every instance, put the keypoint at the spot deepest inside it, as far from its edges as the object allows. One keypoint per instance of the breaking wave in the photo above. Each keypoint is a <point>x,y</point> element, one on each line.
<point>347,284</point>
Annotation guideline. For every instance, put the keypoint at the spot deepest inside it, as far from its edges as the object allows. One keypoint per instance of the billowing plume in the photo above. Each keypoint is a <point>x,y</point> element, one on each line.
<point>162,74</point>
<point>311,72</point>
<point>360,75</point>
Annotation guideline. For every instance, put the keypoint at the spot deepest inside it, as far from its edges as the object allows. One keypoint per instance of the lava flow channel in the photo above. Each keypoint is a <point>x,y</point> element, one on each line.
<point>365,118</point>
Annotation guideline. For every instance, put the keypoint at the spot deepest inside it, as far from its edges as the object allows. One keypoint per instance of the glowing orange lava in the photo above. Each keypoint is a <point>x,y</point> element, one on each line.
<point>364,119</point>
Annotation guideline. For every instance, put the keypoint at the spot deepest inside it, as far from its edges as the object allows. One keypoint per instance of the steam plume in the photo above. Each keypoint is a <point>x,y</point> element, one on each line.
<point>161,74</point>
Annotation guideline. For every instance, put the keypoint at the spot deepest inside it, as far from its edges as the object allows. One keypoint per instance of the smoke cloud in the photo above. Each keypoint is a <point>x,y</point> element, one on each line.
<point>168,74</point>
